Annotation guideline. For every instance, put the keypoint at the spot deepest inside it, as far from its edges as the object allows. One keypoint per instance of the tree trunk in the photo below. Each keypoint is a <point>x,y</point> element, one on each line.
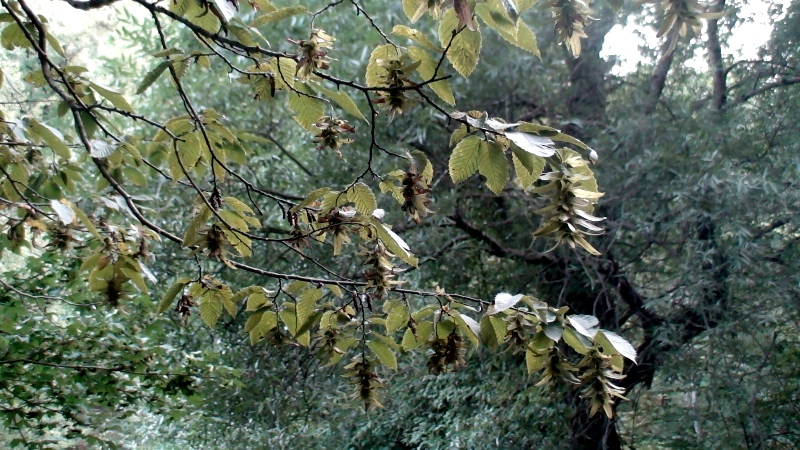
<point>720,90</point>
<point>659,78</point>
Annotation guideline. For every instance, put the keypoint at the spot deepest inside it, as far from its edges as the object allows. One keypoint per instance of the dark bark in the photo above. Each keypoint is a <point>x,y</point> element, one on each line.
<point>659,78</point>
<point>720,90</point>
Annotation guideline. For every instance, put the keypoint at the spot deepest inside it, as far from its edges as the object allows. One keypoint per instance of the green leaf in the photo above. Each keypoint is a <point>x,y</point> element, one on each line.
<point>306,304</point>
<point>465,157</point>
<point>468,327</point>
<point>524,5</point>
<point>233,219</point>
<point>190,149</point>
<point>518,34</point>
<point>51,137</point>
<point>409,341</point>
<point>278,15</point>
<point>393,242</point>
<point>383,352</point>
<point>537,145</point>
<point>152,76</point>
<point>267,321</point>
<point>397,317</point>
<point>410,8</point>
<point>573,340</point>
<point>87,223</point>
<point>416,36</point>
<point>458,134</point>
<point>258,299</point>
<point>613,343</point>
<point>286,69</point>
<point>312,196</point>
<point>493,330</point>
<point>361,195</point>
<point>136,278</point>
<point>584,324</point>
<point>252,321</point>
<point>502,302</point>
<point>343,100</point>
<point>422,165</point>
<point>225,295</point>
<point>13,37</point>
<point>534,362</point>
<point>465,47</point>
<point>427,69</point>
<point>492,164</point>
<point>210,308</point>
<point>295,286</point>
<point>375,73</point>
<point>172,292</point>
<point>308,324</point>
<point>524,176</point>
<point>527,166</point>
<point>115,98</point>
<point>55,44</point>
<point>237,205</point>
<point>494,14</point>
<point>308,109</point>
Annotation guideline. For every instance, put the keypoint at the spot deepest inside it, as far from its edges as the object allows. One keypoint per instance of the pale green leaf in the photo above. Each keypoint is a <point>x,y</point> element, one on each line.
<point>87,223</point>
<point>312,197</point>
<point>64,211</point>
<point>410,8</point>
<point>502,302</point>
<point>115,98</point>
<point>537,145</point>
<point>534,362</point>
<point>306,304</point>
<point>584,324</point>
<point>427,70</point>
<point>375,73</point>
<point>361,195</point>
<point>233,219</point>
<point>267,321</point>
<point>574,340</point>
<point>465,46</point>
<point>527,166</point>
<point>492,164</point>
<point>465,157</point>
<point>238,205</point>
<point>613,343</point>
<point>416,36</point>
<point>169,296</point>
<point>50,136</point>
<point>136,278</point>
<point>278,15</point>
<point>409,341</point>
<point>397,317</point>
<point>383,352</point>
<point>468,327</point>
<point>258,299</point>
<point>308,109</point>
<point>152,76</point>
<point>422,165</point>
<point>343,100</point>
<point>494,14</point>
<point>458,134</point>
<point>210,308</point>
<point>286,69</point>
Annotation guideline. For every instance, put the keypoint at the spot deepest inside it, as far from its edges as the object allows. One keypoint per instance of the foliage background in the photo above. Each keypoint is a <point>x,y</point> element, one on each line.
<point>700,204</point>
